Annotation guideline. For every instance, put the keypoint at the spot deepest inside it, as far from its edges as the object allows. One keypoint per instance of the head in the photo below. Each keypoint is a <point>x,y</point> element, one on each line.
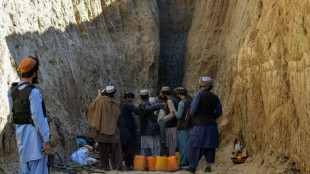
<point>144,94</point>
<point>129,96</point>
<point>28,69</point>
<point>161,98</point>
<point>205,83</point>
<point>181,92</point>
<point>109,91</point>
<point>165,91</point>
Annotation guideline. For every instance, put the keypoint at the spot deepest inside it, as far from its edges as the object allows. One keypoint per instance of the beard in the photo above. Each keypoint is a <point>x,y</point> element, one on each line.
<point>179,98</point>
<point>35,79</point>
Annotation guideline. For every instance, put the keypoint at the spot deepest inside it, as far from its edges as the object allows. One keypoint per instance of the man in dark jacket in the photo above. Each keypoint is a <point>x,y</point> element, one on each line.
<point>149,128</point>
<point>127,126</point>
<point>204,138</point>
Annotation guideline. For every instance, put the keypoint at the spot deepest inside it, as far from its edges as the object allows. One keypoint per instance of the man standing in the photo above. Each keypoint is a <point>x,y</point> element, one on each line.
<point>29,119</point>
<point>149,128</point>
<point>183,123</point>
<point>204,138</point>
<point>127,126</point>
<point>103,115</point>
<point>170,120</point>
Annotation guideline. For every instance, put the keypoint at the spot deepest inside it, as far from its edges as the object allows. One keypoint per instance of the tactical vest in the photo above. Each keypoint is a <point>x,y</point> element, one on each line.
<point>21,104</point>
<point>205,113</point>
<point>172,122</point>
<point>184,122</point>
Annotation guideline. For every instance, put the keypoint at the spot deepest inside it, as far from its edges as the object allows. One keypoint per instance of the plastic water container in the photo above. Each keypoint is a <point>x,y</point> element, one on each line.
<point>151,162</point>
<point>161,163</point>
<point>172,164</point>
<point>140,163</point>
<point>177,154</point>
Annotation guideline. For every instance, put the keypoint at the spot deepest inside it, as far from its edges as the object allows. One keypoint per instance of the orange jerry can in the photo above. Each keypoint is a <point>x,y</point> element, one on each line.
<point>140,163</point>
<point>244,156</point>
<point>234,157</point>
<point>172,164</point>
<point>151,162</point>
<point>161,163</point>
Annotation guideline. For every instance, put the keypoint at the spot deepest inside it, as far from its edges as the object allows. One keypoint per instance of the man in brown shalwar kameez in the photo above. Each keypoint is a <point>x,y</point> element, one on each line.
<point>103,115</point>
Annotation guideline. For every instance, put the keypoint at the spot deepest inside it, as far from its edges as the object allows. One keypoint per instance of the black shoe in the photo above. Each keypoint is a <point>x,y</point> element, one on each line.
<point>128,168</point>
<point>208,169</point>
<point>121,169</point>
<point>190,169</point>
<point>106,169</point>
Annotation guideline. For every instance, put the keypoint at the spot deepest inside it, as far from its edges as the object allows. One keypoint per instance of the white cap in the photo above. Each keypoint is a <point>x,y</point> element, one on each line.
<point>165,88</point>
<point>110,89</point>
<point>144,92</point>
<point>205,81</point>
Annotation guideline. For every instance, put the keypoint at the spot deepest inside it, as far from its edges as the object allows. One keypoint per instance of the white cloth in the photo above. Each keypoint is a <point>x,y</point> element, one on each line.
<point>34,167</point>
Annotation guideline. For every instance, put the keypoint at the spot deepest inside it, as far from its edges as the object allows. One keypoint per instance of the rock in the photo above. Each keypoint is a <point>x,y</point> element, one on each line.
<point>258,54</point>
<point>82,46</point>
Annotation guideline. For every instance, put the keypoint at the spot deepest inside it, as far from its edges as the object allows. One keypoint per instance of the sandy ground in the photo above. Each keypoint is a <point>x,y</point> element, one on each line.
<point>265,163</point>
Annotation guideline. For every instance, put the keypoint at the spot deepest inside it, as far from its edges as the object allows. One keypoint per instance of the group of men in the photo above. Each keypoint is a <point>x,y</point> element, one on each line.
<point>190,126</point>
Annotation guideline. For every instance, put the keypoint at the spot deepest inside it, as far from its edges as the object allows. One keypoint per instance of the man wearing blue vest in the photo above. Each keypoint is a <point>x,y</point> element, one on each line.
<point>29,120</point>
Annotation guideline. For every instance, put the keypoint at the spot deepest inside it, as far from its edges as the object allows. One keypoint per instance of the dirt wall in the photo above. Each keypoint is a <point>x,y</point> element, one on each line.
<point>82,46</point>
<point>258,54</point>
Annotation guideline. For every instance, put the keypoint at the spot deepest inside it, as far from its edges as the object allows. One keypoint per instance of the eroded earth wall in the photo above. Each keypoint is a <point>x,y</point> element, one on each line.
<point>257,51</point>
<point>82,45</point>
<point>258,54</point>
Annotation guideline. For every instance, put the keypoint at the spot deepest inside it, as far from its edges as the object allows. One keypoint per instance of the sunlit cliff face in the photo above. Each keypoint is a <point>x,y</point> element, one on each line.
<point>257,52</point>
<point>82,46</point>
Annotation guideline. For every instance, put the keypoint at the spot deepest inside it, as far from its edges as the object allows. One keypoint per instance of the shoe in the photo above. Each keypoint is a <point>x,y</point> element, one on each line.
<point>184,167</point>
<point>121,169</point>
<point>190,169</point>
<point>106,169</point>
<point>128,168</point>
<point>208,169</point>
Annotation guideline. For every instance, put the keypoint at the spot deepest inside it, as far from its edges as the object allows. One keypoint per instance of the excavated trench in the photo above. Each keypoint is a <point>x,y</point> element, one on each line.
<point>175,18</point>
<point>257,52</point>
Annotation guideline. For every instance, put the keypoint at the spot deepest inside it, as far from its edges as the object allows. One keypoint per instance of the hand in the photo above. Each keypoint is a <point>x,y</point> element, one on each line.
<point>99,94</point>
<point>165,104</point>
<point>46,148</point>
